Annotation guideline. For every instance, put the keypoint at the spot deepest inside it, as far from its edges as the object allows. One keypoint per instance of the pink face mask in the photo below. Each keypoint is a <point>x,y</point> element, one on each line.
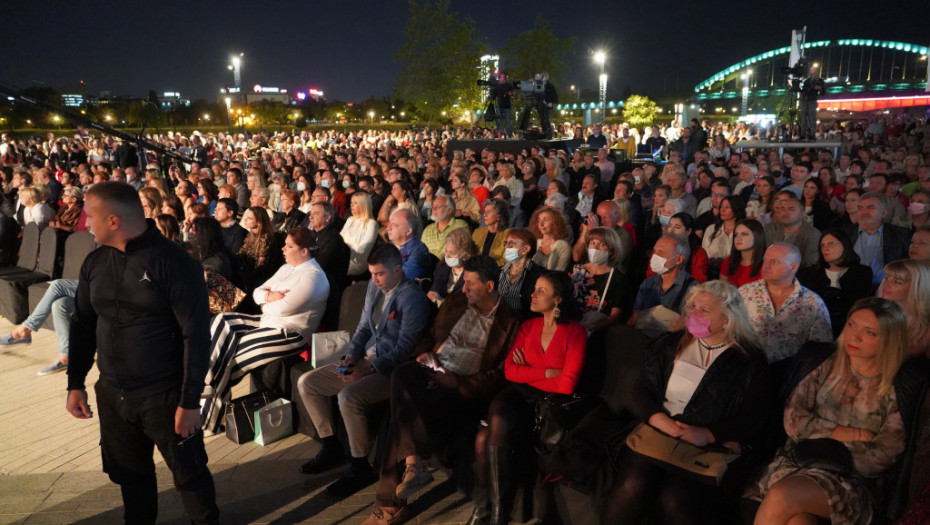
<point>698,326</point>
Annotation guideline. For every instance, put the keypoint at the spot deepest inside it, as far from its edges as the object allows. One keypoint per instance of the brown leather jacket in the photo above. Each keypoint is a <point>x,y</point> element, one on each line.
<point>490,379</point>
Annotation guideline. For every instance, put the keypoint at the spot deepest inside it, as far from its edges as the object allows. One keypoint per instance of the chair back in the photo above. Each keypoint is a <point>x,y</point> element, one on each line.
<point>48,247</point>
<point>350,311</point>
<point>29,249</point>
<point>77,248</point>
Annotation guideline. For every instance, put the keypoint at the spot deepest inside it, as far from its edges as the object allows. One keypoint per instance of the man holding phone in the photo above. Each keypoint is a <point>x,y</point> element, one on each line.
<point>394,318</point>
<point>448,387</point>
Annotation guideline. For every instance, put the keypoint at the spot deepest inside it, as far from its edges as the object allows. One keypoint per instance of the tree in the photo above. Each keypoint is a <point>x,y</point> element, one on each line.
<point>440,60</point>
<point>535,51</point>
<point>639,111</point>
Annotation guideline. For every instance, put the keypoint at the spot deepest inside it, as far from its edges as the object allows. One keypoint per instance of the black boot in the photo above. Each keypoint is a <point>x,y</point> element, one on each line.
<point>329,456</point>
<point>482,512</point>
<point>500,465</point>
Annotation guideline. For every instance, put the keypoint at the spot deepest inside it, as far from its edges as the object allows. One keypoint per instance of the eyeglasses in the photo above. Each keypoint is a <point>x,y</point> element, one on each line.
<point>514,244</point>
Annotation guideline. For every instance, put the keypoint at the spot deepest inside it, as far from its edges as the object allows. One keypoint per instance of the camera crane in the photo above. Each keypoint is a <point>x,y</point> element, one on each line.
<point>142,144</point>
<point>796,71</point>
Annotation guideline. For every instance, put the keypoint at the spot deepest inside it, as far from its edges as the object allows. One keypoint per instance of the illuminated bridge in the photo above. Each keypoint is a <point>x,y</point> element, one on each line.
<point>860,74</point>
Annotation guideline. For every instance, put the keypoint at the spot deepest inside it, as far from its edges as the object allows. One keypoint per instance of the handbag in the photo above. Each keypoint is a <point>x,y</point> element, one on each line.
<point>328,347</point>
<point>824,453</point>
<point>240,414</point>
<point>557,414</point>
<point>274,421</point>
<point>705,464</point>
<point>222,294</point>
<point>659,320</point>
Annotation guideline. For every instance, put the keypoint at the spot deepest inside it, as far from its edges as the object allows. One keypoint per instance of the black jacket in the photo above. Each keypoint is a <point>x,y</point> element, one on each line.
<point>728,400</point>
<point>331,252</point>
<point>895,241</point>
<point>233,237</point>
<point>855,284</point>
<point>145,313</point>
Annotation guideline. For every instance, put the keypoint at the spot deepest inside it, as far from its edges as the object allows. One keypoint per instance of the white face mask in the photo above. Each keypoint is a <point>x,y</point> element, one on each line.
<point>452,262</point>
<point>597,256</point>
<point>301,186</point>
<point>511,254</point>
<point>657,264</point>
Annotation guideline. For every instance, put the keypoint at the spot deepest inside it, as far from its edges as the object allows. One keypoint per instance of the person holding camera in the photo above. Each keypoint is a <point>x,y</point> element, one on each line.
<point>501,90</point>
<point>812,88</point>
<point>545,103</point>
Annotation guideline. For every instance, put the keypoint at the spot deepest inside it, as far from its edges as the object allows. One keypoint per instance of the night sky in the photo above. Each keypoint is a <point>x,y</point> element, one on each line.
<point>347,48</point>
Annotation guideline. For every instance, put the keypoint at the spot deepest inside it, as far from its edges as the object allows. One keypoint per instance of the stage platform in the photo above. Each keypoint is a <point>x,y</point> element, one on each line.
<point>513,145</point>
<point>834,145</point>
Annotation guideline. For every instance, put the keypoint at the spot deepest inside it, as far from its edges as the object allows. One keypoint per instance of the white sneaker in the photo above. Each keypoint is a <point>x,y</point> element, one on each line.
<point>415,477</point>
<point>57,366</point>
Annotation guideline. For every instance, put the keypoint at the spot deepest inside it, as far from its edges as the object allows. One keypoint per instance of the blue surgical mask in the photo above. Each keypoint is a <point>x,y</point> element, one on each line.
<point>511,255</point>
<point>324,183</point>
<point>452,262</point>
<point>665,221</point>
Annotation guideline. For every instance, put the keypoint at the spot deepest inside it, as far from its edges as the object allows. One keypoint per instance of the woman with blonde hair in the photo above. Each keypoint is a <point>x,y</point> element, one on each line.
<point>34,209</point>
<point>359,233</point>
<point>907,282</point>
<point>847,405</point>
<point>704,385</point>
<point>151,201</point>
<point>553,251</point>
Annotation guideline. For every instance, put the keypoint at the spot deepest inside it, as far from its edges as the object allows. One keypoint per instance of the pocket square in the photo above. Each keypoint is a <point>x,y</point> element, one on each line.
<point>392,315</point>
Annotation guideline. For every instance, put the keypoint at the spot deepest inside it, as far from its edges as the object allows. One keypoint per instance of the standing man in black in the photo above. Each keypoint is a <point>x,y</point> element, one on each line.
<point>501,90</point>
<point>813,87</point>
<point>141,306</point>
<point>545,104</point>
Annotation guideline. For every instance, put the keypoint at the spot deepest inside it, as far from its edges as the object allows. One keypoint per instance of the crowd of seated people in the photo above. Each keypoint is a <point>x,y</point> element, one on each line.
<point>491,276</point>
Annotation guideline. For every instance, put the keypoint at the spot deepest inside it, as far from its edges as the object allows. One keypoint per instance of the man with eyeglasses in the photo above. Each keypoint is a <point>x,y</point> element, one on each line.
<point>444,223</point>
<point>719,190</point>
<point>875,241</point>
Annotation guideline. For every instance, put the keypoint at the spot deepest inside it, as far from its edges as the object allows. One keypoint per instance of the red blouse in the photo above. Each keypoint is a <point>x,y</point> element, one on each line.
<point>740,277</point>
<point>565,351</point>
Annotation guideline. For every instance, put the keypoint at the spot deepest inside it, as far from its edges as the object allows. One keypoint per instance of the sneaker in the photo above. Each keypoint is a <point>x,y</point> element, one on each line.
<point>387,516</point>
<point>325,460</point>
<point>415,477</point>
<point>57,366</point>
<point>353,479</point>
<point>7,340</point>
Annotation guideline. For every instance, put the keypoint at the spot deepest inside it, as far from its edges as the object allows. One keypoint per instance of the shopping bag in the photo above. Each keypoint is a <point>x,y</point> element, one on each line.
<point>328,347</point>
<point>274,421</point>
<point>240,414</point>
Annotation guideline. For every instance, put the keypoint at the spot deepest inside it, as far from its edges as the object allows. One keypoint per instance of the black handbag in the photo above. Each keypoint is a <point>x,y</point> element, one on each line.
<point>240,415</point>
<point>824,453</point>
<point>557,414</point>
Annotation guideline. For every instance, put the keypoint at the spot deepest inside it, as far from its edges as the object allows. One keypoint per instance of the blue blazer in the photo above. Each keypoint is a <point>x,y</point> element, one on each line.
<point>402,324</point>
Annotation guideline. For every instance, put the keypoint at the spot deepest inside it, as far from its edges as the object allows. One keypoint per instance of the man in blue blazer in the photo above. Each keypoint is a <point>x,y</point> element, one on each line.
<point>394,318</point>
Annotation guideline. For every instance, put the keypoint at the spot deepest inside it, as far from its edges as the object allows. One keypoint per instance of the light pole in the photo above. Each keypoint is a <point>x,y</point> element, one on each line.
<point>229,113</point>
<point>601,58</point>
<point>236,67</point>
<point>746,76</point>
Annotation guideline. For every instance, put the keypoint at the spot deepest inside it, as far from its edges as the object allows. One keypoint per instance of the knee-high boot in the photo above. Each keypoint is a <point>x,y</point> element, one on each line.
<point>500,482</point>
<point>482,511</point>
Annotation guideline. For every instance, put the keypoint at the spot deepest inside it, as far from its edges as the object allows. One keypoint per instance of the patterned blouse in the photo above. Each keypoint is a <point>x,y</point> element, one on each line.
<point>802,317</point>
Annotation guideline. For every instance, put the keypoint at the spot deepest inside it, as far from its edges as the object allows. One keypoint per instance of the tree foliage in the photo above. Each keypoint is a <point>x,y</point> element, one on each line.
<point>639,111</point>
<point>440,59</point>
<point>535,51</point>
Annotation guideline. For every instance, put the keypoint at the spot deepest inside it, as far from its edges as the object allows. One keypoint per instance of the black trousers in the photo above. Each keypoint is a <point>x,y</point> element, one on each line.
<point>129,428</point>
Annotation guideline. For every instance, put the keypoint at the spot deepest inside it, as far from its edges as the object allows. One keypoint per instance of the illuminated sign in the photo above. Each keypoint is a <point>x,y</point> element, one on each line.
<point>258,88</point>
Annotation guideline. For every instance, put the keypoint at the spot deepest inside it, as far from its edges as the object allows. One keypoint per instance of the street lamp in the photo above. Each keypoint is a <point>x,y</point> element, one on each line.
<point>371,115</point>
<point>229,113</point>
<point>236,67</point>
<point>601,58</point>
<point>746,76</point>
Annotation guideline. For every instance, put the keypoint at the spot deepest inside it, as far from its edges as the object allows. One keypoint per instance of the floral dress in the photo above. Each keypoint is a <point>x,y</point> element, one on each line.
<point>821,402</point>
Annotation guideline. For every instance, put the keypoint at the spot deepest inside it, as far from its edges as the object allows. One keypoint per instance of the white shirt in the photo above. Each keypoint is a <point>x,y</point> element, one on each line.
<point>717,247</point>
<point>302,306</point>
<point>39,213</point>
<point>360,238</point>
<point>687,373</point>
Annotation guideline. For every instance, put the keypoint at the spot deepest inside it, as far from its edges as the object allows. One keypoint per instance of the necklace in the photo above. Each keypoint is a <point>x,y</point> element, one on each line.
<point>705,357</point>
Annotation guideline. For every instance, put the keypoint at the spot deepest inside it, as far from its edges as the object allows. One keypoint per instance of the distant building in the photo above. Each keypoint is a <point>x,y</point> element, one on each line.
<point>172,100</point>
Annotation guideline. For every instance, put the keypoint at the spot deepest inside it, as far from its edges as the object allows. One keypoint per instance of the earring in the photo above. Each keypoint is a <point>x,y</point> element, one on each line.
<point>556,312</point>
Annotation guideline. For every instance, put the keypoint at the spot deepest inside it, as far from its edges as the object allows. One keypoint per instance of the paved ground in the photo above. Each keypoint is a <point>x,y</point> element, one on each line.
<point>50,468</point>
